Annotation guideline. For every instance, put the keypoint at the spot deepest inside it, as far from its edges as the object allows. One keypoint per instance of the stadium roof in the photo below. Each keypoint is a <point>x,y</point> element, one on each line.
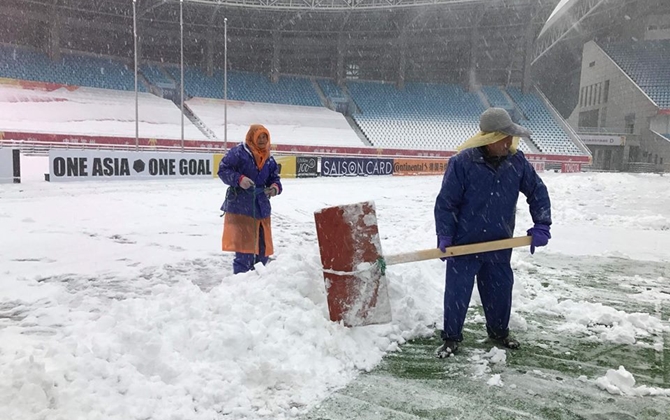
<point>328,4</point>
<point>559,11</point>
<point>578,21</point>
<point>438,40</point>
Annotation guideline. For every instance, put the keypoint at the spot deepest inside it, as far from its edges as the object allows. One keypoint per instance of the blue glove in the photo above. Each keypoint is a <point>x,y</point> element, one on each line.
<point>541,236</point>
<point>443,242</point>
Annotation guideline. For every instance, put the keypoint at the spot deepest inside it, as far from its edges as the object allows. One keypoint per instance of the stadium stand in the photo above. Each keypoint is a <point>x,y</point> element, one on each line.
<point>90,111</point>
<point>251,87</point>
<point>198,84</point>
<point>288,124</point>
<point>422,116</point>
<point>330,88</point>
<point>496,97</point>
<point>646,62</point>
<point>155,76</point>
<point>547,134</point>
<point>72,69</point>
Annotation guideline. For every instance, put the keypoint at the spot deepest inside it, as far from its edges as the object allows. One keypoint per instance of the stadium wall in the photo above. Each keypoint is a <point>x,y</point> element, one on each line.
<point>610,102</point>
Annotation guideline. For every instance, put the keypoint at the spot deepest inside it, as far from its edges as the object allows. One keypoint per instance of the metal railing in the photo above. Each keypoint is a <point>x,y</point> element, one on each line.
<point>41,148</point>
<point>604,130</point>
<point>644,167</point>
<point>562,123</point>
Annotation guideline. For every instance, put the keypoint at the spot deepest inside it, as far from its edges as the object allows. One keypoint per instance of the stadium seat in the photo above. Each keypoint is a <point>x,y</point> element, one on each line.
<point>421,116</point>
<point>646,62</point>
<point>547,134</point>
<point>495,96</point>
<point>71,69</point>
<point>250,87</point>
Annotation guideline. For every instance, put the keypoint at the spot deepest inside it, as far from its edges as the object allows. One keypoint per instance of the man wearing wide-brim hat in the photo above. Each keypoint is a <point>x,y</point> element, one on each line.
<point>477,203</point>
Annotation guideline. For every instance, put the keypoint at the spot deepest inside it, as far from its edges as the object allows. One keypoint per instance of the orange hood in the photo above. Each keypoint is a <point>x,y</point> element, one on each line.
<point>261,155</point>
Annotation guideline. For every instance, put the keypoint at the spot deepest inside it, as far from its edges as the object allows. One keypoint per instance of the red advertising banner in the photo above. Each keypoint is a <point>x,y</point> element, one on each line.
<point>29,84</point>
<point>84,141</point>
<point>538,165</point>
<point>87,141</point>
<point>568,168</point>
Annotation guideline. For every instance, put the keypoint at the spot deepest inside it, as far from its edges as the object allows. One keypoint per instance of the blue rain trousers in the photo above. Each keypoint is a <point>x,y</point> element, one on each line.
<point>494,282</point>
<point>245,262</point>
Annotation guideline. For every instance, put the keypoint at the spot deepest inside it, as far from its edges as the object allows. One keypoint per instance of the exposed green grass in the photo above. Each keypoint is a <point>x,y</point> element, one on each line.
<point>551,377</point>
<point>538,383</point>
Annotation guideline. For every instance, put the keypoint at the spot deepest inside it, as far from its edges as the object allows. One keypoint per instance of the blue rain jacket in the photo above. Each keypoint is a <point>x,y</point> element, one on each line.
<point>477,202</point>
<point>252,202</point>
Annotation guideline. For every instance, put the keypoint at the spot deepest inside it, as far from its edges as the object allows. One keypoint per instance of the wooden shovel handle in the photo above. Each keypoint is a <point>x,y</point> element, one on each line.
<point>453,251</point>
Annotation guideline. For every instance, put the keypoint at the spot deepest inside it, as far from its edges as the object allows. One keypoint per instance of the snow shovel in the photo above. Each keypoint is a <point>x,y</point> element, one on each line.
<point>354,268</point>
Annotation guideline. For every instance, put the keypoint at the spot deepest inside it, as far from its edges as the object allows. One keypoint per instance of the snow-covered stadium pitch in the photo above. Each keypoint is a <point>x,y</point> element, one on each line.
<point>116,303</point>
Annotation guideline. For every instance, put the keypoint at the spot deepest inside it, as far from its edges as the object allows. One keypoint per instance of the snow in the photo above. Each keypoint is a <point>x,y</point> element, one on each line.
<point>622,382</point>
<point>116,303</point>
<point>91,111</point>
<point>606,322</point>
<point>495,381</point>
<point>482,363</point>
<point>288,124</point>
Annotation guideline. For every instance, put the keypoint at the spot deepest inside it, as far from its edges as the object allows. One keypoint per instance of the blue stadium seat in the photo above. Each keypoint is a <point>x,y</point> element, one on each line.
<point>330,88</point>
<point>422,115</point>
<point>496,97</point>
<point>251,87</point>
<point>547,134</point>
<point>71,69</point>
<point>646,62</point>
<point>154,75</point>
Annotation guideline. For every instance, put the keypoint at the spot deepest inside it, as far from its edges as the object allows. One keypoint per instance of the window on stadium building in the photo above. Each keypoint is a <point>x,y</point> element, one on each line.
<point>629,125</point>
<point>588,119</point>
<point>353,71</point>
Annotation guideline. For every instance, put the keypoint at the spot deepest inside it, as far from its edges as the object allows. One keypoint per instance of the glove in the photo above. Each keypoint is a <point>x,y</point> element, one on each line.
<point>541,236</point>
<point>271,191</point>
<point>245,182</point>
<point>443,242</point>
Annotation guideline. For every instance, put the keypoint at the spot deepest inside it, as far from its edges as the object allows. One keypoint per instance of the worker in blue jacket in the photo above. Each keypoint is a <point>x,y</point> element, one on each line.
<point>477,203</point>
<point>253,178</point>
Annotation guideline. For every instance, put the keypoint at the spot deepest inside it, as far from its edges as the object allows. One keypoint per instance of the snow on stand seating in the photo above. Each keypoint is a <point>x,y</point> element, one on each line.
<point>288,124</point>
<point>90,111</point>
<point>423,116</point>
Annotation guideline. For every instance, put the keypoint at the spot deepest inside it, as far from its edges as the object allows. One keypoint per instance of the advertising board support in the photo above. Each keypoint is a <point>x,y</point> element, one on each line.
<point>137,106</point>
<point>10,166</point>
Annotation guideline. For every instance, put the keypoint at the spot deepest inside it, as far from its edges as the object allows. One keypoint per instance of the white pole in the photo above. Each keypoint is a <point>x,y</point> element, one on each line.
<point>181,25</point>
<point>225,84</point>
<point>137,107</point>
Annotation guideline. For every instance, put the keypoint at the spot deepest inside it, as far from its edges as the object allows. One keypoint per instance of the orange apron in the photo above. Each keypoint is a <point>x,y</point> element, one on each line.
<point>241,234</point>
